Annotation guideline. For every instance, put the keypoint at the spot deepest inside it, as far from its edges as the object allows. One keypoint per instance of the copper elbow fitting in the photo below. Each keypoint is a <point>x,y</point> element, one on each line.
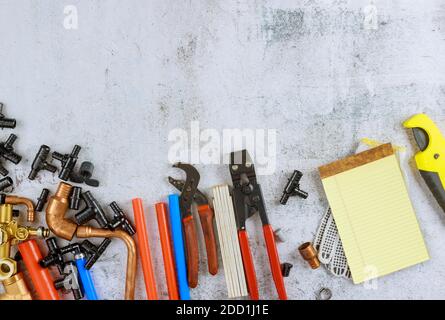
<point>55,213</point>
<point>14,200</point>
<point>67,229</point>
<point>309,254</point>
<point>89,232</point>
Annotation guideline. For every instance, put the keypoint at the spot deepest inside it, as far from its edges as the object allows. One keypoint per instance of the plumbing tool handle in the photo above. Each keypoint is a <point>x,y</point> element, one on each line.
<point>191,247</point>
<point>41,278</point>
<point>206,216</point>
<point>85,278</point>
<point>178,244</point>
<point>249,267</point>
<point>430,160</point>
<point>144,249</point>
<point>274,261</point>
<point>167,252</point>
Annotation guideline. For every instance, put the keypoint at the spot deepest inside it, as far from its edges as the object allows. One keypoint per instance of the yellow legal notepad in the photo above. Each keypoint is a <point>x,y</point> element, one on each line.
<point>374,215</point>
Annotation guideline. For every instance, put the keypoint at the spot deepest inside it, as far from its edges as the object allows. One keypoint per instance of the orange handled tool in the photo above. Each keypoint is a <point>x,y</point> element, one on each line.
<point>207,216</point>
<point>41,278</point>
<point>167,252</point>
<point>144,249</point>
<point>191,194</point>
<point>247,201</point>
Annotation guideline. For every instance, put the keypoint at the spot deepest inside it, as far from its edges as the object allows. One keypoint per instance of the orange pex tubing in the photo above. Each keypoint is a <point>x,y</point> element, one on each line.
<point>144,249</point>
<point>167,252</point>
<point>43,283</point>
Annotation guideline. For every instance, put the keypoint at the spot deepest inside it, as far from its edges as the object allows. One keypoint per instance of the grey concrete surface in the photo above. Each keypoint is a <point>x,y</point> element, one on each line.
<point>316,71</point>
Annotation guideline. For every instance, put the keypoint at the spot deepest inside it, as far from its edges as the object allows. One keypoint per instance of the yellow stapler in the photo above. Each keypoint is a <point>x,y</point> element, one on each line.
<point>430,159</point>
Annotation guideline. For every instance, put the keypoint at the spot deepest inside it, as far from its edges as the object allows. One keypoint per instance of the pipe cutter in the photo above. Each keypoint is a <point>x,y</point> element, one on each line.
<point>248,201</point>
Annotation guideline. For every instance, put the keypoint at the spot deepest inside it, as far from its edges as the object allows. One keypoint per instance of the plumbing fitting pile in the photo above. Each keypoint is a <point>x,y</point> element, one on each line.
<point>74,260</point>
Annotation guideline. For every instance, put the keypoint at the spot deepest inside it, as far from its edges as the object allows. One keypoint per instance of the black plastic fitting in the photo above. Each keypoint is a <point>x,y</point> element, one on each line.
<point>68,162</point>
<point>293,188</point>
<point>94,252</point>
<point>54,256</point>
<point>92,211</point>
<point>120,220</point>
<point>68,270</point>
<point>6,123</point>
<point>285,269</point>
<point>84,175</point>
<point>40,162</point>
<point>42,199</point>
<point>7,153</point>
<point>5,183</point>
<point>70,281</point>
<point>75,198</point>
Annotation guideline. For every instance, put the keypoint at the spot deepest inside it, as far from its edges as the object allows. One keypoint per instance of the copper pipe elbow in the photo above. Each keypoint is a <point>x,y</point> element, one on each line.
<point>89,232</point>
<point>55,213</point>
<point>67,229</point>
<point>15,200</point>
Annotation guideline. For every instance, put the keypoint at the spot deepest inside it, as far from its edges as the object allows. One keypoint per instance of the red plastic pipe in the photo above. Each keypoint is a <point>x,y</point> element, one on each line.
<point>144,249</point>
<point>167,252</point>
<point>43,283</point>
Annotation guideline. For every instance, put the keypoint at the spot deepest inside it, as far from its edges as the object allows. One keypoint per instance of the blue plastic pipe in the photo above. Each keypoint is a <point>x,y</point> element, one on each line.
<point>178,246</point>
<point>85,278</point>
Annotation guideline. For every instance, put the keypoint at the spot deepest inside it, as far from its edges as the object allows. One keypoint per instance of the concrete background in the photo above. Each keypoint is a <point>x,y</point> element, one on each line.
<point>313,70</point>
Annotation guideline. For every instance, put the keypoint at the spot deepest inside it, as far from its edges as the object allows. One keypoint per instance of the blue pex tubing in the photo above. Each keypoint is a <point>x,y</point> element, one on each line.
<point>178,246</point>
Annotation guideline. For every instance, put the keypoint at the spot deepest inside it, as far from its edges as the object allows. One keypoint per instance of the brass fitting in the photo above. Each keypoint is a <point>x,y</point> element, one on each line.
<point>309,254</point>
<point>15,289</point>
<point>11,233</point>
<point>67,229</point>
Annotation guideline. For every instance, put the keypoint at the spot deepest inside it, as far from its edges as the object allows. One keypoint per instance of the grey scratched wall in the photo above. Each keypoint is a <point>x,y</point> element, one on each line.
<point>313,70</point>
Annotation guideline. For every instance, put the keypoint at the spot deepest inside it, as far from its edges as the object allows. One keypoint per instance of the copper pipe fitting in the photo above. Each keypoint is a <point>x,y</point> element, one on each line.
<point>15,289</point>
<point>89,232</point>
<point>309,254</point>
<point>55,213</point>
<point>67,229</point>
<point>14,200</point>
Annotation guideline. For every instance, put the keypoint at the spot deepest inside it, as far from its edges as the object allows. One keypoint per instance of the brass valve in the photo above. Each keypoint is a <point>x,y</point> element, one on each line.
<point>11,233</point>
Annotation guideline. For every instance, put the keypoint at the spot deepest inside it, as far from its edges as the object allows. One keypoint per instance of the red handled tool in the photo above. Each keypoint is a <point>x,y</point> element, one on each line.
<point>189,194</point>
<point>247,201</point>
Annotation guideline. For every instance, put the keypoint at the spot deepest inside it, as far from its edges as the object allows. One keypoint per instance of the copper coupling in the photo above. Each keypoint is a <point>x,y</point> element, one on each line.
<point>309,254</point>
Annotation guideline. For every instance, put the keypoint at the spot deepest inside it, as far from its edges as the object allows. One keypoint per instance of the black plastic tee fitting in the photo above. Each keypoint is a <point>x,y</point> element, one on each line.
<point>68,162</point>
<point>120,220</point>
<point>293,188</point>
<point>6,123</point>
<point>92,211</point>
<point>40,162</point>
<point>94,252</point>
